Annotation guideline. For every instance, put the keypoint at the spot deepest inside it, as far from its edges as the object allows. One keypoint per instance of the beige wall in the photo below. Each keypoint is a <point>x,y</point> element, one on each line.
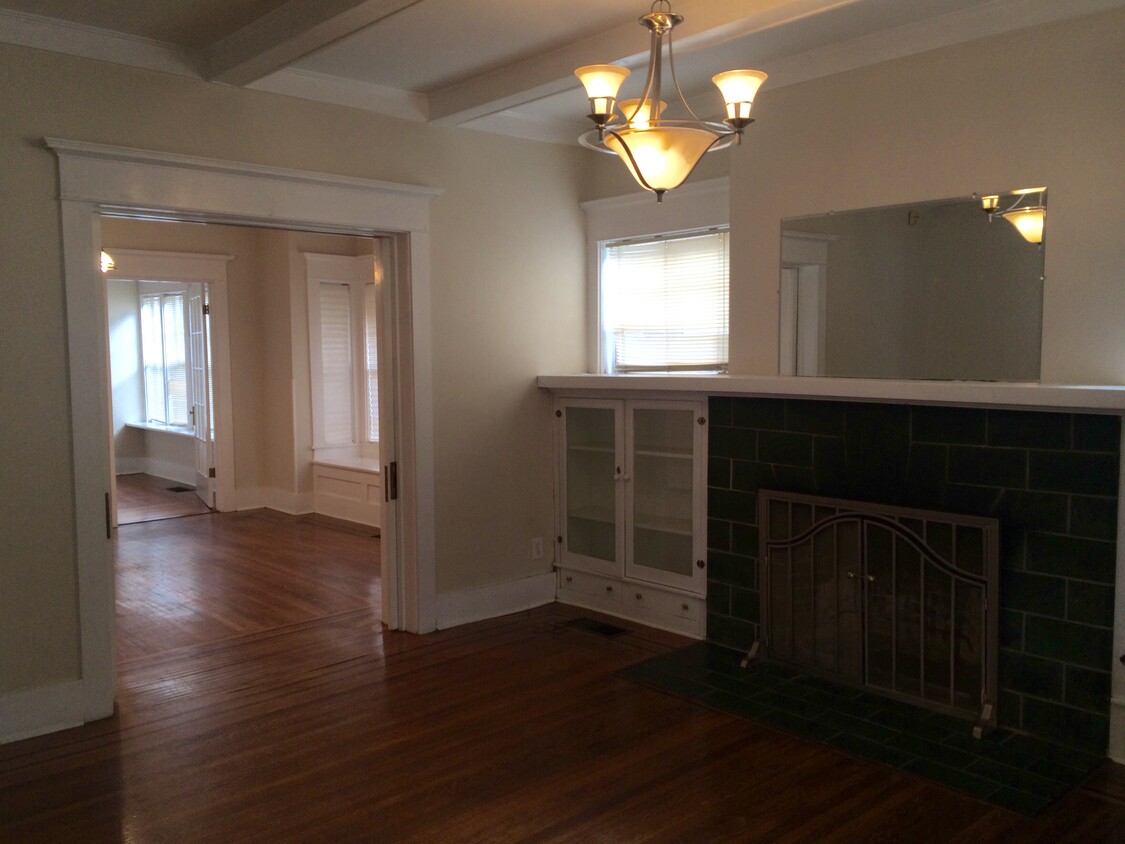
<point>1037,107</point>
<point>507,288</point>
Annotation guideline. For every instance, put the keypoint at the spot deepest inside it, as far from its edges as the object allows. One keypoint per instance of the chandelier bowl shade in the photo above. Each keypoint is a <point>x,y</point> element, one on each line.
<point>1028,222</point>
<point>661,157</point>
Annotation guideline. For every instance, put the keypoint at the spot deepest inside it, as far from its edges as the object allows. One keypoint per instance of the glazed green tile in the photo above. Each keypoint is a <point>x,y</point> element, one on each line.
<point>732,505</point>
<point>1069,471</point>
<point>718,472</point>
<point>948,425</point>
<point>1011,627</point>
<point>931,750</point>
<point>1025,509</point>
<point>797,724</point>
<point>733,704</point>
<point>1076,727</point>
<point>732,443</point>
<point>750,475</point>
<point>1087,689</point>
<point>1094,518</point>
<point>1018,778</point>
<point>988,466</point>
<point>719,410</point>
<point>732,569</point>
<point>1019,801</point>
<point>744,604</point>
<point>731,632</point>
<point>1069,642</point>
<point>1031,675</point>
<point>873,750</point>
<point>744,542</point>
<point>787,703</point>
<point>678,686</point>
<point>855,726</point>
<point>718,535</point>
<point>1024,429</point>
<point>1041,594</point>
<point>955,778</point>
<point>1095,432</point>
<point>758,413</point>
<point>785,448</point>
<point>1052,751</point>
<point>814,417</point>
<point>728,683</point>
<point>1089,603</point>
<point>1070,556</point>
<point>718,598</point>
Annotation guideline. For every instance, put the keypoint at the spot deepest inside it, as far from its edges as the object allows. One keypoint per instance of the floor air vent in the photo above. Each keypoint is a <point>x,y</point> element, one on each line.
<point>598,627</point>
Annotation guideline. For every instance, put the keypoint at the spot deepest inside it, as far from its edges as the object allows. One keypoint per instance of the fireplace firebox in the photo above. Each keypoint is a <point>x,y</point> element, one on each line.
<point>898,601</point>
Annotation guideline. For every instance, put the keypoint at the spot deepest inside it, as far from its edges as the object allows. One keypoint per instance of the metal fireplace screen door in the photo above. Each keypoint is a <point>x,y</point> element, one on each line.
<point>899,601</point>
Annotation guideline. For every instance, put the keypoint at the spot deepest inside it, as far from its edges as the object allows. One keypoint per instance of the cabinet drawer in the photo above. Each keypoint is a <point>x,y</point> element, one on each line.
<point>663,603</point>
<point>591,586</point>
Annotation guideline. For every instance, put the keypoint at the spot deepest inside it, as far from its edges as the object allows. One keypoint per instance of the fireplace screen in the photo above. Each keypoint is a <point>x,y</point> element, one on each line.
<point>902,602</point>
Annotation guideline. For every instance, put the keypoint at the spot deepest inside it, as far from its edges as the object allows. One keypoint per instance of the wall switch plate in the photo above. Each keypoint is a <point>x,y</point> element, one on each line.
<point>537,548</point>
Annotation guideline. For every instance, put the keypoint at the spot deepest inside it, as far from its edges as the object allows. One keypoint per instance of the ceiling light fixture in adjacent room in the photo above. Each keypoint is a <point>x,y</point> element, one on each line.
<point>661,152</point>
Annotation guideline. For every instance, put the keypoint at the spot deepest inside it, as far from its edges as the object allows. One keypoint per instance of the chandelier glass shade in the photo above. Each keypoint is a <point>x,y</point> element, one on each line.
<point>661,152</point>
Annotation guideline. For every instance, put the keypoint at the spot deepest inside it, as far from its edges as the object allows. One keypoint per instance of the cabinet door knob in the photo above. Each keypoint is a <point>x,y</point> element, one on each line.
<point>684,607</point>
<point>609,589</point>
<point>639,596</point>
<point>569,579</point>
<point>700,564</point>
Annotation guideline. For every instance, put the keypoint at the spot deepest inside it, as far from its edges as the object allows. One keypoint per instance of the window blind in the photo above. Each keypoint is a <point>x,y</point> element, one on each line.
<point>371,348</point>
<point>152,354</point>
<point>336,363</point>
<point>665,302</point>
<point>175,359</point>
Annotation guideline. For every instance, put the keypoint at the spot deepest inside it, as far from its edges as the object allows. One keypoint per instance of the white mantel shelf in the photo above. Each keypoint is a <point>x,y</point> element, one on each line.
<point>1025,396</point>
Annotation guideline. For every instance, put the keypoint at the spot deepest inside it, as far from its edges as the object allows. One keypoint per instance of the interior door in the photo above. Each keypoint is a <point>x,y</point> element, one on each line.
<point>200,345</point>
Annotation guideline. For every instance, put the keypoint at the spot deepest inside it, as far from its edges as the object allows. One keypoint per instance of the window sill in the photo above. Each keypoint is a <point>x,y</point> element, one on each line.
<point>174,430</point>
<point>359,464</point>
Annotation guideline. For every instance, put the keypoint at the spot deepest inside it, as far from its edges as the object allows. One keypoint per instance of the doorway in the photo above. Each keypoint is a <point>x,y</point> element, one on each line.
<point>96,180</point>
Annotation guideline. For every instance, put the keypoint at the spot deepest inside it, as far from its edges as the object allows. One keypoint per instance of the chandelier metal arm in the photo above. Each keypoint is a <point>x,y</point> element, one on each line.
<point>675,81</point>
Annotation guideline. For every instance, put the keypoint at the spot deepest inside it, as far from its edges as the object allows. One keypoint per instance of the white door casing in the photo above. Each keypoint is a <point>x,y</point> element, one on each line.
<point>95,180</point>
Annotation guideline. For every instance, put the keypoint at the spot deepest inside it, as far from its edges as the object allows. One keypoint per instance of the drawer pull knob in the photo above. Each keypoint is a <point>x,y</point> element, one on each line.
<point>569,579</point>
<point>700,564</point>
<point>684,607</point>
<point>639,596</point>
<point>609,589</point>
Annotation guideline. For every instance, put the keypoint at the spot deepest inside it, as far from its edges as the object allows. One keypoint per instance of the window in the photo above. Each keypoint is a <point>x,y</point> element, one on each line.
<point>657,280</point>
<point>343,353</point>
<point>164,357</point>
<point>665,302</point>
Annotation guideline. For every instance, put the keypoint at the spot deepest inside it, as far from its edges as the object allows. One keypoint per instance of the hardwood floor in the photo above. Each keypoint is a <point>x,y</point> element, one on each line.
<point>147,498</point>
<point>291,715</point>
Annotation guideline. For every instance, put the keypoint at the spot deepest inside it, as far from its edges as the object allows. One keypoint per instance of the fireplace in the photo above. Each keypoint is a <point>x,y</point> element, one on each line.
<point>899,601</point>
<point>1050,479</point>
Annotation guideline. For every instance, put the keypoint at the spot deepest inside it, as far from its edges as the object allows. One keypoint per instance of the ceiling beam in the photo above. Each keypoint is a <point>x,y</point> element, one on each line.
<point>706,23</point>
<point>292,30</point>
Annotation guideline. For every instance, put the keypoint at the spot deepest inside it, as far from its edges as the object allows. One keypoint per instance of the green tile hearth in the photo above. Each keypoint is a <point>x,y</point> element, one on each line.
<point>1009,769</point>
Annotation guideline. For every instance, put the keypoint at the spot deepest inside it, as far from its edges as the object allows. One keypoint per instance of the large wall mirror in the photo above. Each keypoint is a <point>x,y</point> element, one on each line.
<point>931,290</point>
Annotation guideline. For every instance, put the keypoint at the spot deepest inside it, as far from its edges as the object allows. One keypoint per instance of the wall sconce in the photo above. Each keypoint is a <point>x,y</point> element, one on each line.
<point>1028,215</point>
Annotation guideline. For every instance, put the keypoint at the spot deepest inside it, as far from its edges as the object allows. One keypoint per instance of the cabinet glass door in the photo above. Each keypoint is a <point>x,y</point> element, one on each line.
<point>661,494</point>
<point>592,473</point>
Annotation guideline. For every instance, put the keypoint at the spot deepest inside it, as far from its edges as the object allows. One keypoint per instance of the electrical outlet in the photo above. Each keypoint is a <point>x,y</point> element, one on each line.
<point>537,548</point>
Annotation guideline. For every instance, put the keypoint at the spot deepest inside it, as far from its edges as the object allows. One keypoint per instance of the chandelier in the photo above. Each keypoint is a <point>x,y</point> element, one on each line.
<point>1026,213</point>
<point>661,152</point>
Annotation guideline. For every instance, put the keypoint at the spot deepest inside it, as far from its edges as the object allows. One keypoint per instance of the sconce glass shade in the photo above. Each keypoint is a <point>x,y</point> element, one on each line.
<point>990,203</point>
<point>738,88</point>
<point>1028,222</point>
<point>661,158</point>
<point>107,262</point>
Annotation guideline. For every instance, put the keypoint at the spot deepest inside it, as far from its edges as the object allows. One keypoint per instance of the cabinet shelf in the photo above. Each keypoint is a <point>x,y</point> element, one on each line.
<point>662,524</point>
<point>665,454</point>
<point>591,449</point>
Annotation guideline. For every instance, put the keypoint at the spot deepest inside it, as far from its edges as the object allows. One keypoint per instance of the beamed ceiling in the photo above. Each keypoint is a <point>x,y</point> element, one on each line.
<point>501,65</point>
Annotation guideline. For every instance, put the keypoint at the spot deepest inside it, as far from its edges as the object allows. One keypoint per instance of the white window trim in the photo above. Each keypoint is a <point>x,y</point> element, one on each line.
<point>700,205</point>
<point>355,272</point>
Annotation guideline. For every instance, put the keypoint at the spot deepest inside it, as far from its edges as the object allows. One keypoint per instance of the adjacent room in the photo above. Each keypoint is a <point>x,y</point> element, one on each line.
<point>463,422</point>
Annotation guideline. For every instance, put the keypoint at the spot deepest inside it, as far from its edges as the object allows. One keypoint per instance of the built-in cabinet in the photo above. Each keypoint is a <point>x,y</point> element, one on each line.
<point>632,509</point>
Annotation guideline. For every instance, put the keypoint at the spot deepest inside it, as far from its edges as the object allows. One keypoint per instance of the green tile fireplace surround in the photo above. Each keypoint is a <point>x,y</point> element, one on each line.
<point>1050,478</point>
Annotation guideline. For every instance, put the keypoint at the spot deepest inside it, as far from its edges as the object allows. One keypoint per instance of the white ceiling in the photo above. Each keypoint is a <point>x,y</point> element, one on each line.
<point>501,65</point>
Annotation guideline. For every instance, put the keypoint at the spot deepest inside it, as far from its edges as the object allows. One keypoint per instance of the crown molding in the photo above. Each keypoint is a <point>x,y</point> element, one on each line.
<point>322,88</point>
<point>90,42</point>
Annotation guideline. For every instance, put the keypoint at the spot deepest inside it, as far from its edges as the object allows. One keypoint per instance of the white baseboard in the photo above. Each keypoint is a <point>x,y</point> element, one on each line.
<point>458,608</point>
<point>172,471</point>
<point>130,466</point>
<point>42,710</point>
<point>255,498</point>
<point>1116,749</point>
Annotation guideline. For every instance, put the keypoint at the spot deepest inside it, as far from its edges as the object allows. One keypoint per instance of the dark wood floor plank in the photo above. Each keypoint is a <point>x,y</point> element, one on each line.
<point>272,706</point>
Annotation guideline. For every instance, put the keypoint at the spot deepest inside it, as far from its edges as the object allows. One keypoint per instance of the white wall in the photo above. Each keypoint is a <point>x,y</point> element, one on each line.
<point>508,299</point>
<point>125,373</point>
<point>1038,107</point>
